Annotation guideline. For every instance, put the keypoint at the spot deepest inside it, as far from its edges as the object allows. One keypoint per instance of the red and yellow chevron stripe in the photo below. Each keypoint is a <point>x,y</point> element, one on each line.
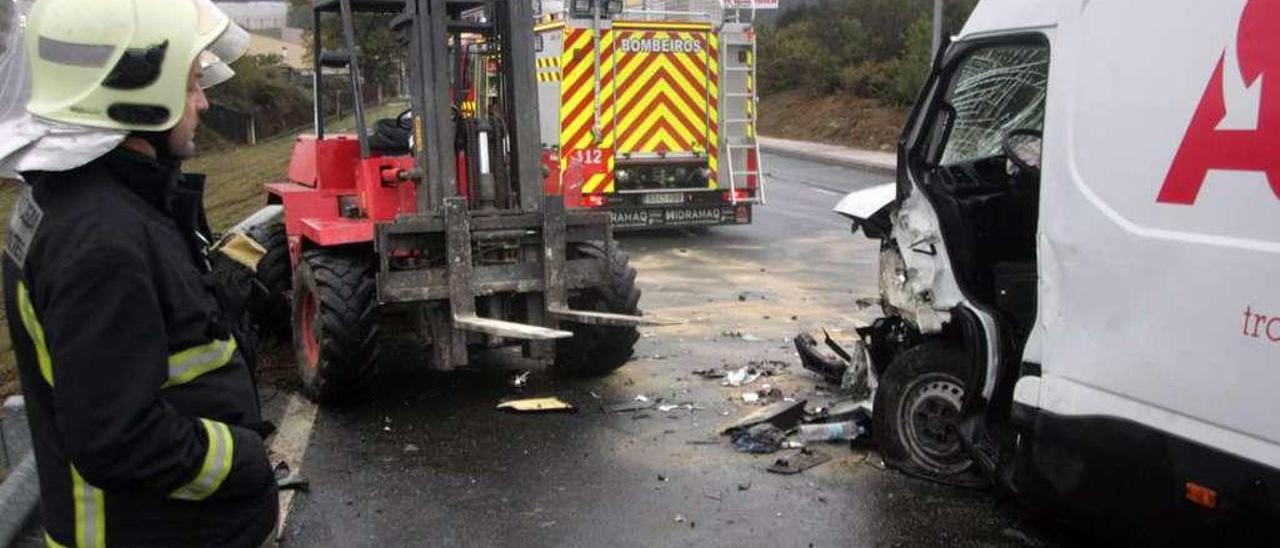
<point>658,93</point>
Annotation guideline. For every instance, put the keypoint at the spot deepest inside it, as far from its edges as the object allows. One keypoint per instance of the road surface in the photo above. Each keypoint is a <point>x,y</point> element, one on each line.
<point>431,463</point>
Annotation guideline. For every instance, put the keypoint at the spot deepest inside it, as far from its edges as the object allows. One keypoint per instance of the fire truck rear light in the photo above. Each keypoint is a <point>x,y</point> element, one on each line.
<point>594,200</point>
<point>740,195</point>
<point>1202,495</point>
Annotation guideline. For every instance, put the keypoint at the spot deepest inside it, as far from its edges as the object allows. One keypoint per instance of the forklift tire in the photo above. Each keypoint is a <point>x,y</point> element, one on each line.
<point>595,349</point>
<point>274,273</point>
<point>335,318</point>
<point>917,414</point>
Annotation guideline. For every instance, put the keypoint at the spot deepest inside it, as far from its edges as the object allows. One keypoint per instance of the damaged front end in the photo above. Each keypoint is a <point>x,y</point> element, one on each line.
<point>918,361</point>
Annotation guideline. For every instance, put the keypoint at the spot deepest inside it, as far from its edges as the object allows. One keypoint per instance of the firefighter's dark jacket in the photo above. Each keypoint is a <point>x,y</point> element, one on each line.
<point>145,418</point>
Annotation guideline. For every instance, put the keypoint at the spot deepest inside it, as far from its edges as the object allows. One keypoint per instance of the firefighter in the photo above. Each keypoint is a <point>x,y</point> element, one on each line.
<point>138,385</point>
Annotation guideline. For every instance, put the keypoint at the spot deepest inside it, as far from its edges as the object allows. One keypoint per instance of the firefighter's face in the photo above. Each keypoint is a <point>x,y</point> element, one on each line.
<point>182,136</point>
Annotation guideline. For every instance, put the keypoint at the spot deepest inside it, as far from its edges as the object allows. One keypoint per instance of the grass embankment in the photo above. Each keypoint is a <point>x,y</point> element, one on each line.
<point>235,179</point>
<point>839,119</point>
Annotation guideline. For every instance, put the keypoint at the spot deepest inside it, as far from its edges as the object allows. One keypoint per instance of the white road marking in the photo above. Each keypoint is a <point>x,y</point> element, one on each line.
<point>290,443</point>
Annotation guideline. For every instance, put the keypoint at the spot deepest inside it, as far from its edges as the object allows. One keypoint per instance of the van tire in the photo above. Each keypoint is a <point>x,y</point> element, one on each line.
<point>917,413</point>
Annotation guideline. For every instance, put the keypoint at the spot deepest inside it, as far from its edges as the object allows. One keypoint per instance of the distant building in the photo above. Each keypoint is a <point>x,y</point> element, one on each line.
<point>292,55</point>
<point>257,14</point>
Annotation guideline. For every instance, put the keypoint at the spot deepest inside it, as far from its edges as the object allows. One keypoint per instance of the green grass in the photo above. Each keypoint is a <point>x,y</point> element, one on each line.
<point>234,191</point>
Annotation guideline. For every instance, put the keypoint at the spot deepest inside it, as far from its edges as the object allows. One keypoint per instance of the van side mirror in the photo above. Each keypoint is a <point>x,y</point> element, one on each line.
<point>1023,147</point>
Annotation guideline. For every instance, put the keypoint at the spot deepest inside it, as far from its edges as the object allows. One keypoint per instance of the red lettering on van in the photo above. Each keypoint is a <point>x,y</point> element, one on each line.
<point>1205,146</point>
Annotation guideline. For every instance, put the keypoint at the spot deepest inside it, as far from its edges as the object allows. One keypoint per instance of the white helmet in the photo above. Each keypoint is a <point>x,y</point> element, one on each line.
<point>124,64</point>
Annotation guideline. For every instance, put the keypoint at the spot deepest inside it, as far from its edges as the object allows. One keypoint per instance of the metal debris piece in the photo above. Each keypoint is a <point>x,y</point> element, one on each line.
<point>784,415</point>
<point>710,373</point>
<point>761,438</point>
<point>642,397</point>
<point>798,461</point>
<point>536,405</point>
<point>666,407</point>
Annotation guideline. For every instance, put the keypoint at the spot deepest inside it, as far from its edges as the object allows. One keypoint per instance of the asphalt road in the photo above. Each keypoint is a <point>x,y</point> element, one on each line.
<point>430,462</point>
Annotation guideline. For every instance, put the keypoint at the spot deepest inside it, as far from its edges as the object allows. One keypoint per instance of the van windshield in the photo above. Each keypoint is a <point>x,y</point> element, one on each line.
<point>995,91</point>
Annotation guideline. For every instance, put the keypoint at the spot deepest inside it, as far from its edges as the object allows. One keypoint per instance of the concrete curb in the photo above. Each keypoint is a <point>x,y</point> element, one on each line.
<point>20,492</point>
<point>880,162</point>
<point>19,495</point>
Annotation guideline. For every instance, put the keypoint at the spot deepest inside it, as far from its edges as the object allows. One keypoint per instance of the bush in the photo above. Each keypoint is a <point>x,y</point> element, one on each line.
<point>872,48</point>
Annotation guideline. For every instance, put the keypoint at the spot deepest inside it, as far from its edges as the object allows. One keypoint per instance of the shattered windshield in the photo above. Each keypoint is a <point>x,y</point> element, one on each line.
<point>996,90</point>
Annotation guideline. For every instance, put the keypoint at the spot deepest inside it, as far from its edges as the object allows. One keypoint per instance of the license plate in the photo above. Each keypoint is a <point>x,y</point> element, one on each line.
<point>663,198</point>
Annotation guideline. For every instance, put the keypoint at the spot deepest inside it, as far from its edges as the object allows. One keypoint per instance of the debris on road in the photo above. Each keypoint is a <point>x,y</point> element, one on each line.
<point>732,334</point>
<point>750,397</point>
<point>848,409</point>
<point>798,461</point>
<point>287,480</point>
<point>410,448</point>
<point>536,405</point>
<point>710,373</point>
<point>761,438</point>
<point>831,431</point>
<point>739,377</point>
<point>851,369</point>
<point>784,415</point>
<point>631,405</point>
<point>519,381</point>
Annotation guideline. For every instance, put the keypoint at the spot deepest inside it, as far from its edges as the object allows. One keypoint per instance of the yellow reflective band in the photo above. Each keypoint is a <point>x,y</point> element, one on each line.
<point>91,514</point>
<point>216,466</point>
<point>50,543</point>
<point>189,364</point>
<point>32,325</point>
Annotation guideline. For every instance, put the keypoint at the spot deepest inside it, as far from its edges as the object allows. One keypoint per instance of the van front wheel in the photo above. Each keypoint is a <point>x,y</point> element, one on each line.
<point>917,415</point>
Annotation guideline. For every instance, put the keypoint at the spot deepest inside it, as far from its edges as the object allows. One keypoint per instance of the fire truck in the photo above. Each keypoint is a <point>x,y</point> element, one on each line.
<point>648,110</point>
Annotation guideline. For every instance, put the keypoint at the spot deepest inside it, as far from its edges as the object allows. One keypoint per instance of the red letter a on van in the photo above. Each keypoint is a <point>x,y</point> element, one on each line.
<point>1206,147</point>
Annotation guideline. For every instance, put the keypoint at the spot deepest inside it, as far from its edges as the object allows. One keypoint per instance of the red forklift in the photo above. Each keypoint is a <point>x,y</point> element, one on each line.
<point>438,221</point>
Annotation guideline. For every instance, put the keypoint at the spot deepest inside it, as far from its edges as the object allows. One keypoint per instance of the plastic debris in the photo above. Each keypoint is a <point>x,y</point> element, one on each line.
<point>750,397</point>
<point>740,377</point>
<point>831,431</point>
<point>520,380</point>
<point>798,461</point>
<point>761,438</point>
<point>536,405</point>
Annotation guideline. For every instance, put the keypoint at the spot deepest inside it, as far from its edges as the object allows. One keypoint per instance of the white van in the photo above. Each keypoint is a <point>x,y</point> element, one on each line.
<point>1096,327</point>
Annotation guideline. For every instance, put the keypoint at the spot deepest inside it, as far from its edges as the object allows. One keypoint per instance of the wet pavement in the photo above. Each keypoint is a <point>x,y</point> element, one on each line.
<point>429,462</point>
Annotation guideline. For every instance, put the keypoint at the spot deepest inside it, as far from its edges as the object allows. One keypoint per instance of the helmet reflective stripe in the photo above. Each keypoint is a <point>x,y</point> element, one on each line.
<point>80,55</point>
